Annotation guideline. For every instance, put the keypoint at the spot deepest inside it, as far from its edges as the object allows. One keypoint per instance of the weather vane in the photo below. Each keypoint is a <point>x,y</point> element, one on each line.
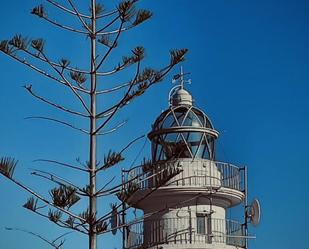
<point>180,78</point>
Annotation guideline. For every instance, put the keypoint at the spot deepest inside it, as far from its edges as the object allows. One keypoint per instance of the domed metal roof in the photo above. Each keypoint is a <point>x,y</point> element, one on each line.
<point>181,97</point>
<point>182,118</point>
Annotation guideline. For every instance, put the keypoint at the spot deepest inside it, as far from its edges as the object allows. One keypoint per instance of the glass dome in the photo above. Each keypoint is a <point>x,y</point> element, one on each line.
<point>183,131</point>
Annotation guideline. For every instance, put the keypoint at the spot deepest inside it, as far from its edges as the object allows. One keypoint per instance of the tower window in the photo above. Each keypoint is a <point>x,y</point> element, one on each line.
<point>201,223</point>
<point>203,226</point>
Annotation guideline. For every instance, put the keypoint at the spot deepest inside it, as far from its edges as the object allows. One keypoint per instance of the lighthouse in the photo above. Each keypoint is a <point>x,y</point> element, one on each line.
<point>184,192</point>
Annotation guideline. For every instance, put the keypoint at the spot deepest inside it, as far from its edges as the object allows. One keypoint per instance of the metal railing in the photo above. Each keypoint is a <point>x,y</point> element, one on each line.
<point>198,173</point>
<point>185,231</point>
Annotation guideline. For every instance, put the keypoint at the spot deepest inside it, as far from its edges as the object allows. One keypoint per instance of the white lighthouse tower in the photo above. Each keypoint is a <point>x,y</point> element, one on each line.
<point>189,210</point>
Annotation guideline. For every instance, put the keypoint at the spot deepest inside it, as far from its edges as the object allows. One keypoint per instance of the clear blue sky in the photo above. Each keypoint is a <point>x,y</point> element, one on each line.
<point>250,69</point>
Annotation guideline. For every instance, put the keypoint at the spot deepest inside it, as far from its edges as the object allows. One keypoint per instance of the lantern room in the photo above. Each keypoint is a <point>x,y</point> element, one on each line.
<point>183,130</point>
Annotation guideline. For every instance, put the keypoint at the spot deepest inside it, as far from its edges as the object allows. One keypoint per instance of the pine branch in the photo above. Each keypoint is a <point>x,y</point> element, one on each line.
<point>54,216</point>
<point>166,175</point>
<point>100,227</point>
<point>115,70</point>
<point>118,188</point>
<point>98,9</point>
<point>148,78</point>
<point>111,159</point>
<point>142,16</point>
<point>61,164</point>
<point>79,77</point>
<point>19,42</point>
<point>107,159</point>
<point>126,62</point>
<point>107,14</point>
<point>38,45</point>
<point>131,143</point>
<point>52,243</point>
<point>88,217</point>
<point>66,9</point>
<point>7,166</point>
<point>64,196</point>
<point>63,224</point>
<point>132,188</point>
<point>5,47</point>
<point>31,204</point>
<point>177,55</point>
<point>29,89</point>
<point>108,24</point>
<point>58,180</point>
<point>80,17</point>
<point>111,47</point>
<point>103,133</point>
<point>107,112</point>
<point>68,84</point>
<point>106,184</point>
<point>41,13</point>
<point>42,198</point>
<point>60,122</point>
<point>91,219</point>
<point>118,106</point>
<point>65,27</point>
<point>114,89</point>
<point>123,85</point>
<point>71,223</point>
<point>40,71</point>
<point>161,177</point>
<point>106,40</point>
<point>63,64</point>
<point>126,10</point>
<point>116,31</point>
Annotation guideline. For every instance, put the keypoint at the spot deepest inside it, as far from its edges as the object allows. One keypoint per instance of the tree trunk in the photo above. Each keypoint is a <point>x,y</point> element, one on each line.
<point>93,149</point>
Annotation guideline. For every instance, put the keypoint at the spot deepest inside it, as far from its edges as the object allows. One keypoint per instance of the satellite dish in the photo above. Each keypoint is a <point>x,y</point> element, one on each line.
<point>254,212</point>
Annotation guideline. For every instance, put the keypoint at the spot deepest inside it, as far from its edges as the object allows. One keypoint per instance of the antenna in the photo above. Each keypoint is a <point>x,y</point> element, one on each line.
<point>253,212</point>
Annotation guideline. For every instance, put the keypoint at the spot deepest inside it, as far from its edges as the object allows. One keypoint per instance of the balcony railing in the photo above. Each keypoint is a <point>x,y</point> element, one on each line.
<point>198,173</point>
<point>185,231</point>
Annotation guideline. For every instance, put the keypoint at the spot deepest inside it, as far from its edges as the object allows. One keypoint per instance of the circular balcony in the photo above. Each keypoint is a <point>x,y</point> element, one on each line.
<point>185,232</point>
<point>222,180</point>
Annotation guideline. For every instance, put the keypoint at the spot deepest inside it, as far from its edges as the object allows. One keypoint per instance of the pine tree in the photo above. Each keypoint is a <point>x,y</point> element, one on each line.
<point>102,29</point>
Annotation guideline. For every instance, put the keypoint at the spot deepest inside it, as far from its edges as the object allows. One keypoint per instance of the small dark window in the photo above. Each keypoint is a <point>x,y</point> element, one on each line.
<point>203,226</point>
<point>200,223</point>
